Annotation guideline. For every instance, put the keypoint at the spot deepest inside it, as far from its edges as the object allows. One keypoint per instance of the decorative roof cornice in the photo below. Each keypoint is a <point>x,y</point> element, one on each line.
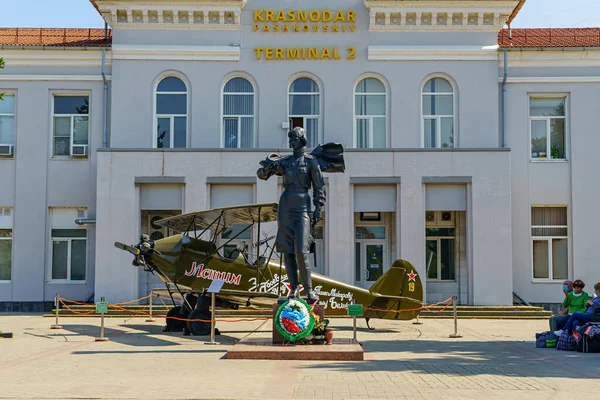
<point>439,15</point>
<point>178,14</point>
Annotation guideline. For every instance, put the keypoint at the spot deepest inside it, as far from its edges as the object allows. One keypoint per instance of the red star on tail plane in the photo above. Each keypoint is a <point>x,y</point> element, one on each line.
<point>412,276</point>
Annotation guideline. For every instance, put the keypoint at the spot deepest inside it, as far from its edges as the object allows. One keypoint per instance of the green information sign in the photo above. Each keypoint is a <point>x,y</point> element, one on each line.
<point>101,307</point>
<point>355,310</point>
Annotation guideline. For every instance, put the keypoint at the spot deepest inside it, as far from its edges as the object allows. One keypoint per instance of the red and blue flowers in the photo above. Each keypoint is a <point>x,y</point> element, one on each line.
<point>294,320</point>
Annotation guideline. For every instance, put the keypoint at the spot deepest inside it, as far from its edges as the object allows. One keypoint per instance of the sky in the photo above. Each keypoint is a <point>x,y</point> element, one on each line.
<point>81,14</point>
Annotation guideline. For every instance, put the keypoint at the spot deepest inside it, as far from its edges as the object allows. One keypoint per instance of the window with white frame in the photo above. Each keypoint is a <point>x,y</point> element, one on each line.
<point>68,249</point>
<point>70,126</point>
<point>438,114</point>
<point>171,113</point>
<point>304,108</point>
<point>369,114</point>
<point>238,114</point>
<point>7,124</point>
<point>550,243</point>
<point>5,244</point>
<point>547,124</point>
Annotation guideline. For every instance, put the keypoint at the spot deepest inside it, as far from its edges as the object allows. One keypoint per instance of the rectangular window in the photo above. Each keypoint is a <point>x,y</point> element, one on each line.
<point>549,243</point>
<point>70,126</point>
<point>5,243</point>
<point>5,254</point>
<point>440,254</point>
<point>7,125</point>
<point>547,124</point>
<point>69,253</point>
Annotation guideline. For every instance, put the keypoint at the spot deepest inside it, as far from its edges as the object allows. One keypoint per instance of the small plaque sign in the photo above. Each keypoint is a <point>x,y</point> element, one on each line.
<point>215,286</point>
<point>101,307</point>
<point>355,310</point>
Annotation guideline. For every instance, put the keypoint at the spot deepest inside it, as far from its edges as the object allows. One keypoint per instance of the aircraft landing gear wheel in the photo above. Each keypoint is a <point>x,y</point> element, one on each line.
<point>199,328</point>
<point>175,325</point>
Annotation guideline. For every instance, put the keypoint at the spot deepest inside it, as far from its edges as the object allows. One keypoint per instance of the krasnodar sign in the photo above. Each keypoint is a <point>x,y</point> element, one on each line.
<point>304,21</point>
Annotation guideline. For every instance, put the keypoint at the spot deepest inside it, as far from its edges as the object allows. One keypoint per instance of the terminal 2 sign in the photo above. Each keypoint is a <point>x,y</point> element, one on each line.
<point>304,21</point>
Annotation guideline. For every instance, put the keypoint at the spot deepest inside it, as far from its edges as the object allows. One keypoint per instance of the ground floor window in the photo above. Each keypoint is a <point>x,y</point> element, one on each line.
<point>69,253</point>
<point>549,243</point>
<point>440,254</point>
<point>5,254</point>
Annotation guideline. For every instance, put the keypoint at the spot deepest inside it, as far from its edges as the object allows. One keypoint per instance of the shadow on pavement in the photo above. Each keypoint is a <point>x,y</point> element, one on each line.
<point>469,358</point>
<point>141,339</point>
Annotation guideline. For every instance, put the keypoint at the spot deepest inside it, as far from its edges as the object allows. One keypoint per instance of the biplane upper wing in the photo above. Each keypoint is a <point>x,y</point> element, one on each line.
<point>243,215</point>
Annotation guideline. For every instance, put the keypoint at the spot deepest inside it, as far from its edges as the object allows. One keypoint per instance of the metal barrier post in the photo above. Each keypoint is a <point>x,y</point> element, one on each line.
<point>354,325</point>
<point>56,304</point>
<point>212,320</point>
<point>455,334</point>
<point>417,322</point>
<point>151,319</point>
<point>103,310</point>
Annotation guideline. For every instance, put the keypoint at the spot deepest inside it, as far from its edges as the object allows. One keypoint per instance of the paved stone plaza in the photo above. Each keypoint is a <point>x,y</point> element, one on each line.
<point>496,359</point>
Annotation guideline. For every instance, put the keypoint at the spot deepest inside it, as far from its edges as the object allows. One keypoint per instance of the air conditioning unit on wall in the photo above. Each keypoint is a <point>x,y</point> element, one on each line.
<point>156,232</point>
<point>6,149</point>
<point>79,150</point>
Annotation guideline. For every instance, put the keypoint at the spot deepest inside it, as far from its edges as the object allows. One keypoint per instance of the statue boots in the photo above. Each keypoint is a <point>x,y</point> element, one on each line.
<point>306,274</point>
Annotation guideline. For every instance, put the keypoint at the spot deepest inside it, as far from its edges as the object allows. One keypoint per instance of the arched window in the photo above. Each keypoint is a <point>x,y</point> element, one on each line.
<point>438,114</point>
<point>171,113</point>
<point>369,114</point>
<point>304,108</point>
<point>238,114</point>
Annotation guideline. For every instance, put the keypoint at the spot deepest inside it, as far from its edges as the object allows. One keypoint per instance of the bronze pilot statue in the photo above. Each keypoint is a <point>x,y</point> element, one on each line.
<point>299,171</point>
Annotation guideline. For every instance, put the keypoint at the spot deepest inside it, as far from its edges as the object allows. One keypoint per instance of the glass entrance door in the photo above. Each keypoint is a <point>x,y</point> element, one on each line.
<point>369,261</point>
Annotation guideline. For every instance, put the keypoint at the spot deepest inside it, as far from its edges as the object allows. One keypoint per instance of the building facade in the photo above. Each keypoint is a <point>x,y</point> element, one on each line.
<point>468,146</point>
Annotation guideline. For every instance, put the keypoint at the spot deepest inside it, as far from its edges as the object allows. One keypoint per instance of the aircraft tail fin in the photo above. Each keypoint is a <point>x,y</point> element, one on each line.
<point>399,288</point>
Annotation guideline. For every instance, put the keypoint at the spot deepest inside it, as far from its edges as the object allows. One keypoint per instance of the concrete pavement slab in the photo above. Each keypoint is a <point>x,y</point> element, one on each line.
<point>496,359</point>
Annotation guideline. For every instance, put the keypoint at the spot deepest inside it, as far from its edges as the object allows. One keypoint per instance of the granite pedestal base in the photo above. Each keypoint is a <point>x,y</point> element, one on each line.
<point>265,349</point>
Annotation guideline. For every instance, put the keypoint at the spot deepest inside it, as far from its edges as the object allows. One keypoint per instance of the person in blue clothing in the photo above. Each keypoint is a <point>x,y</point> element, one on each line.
<point>579,318</point>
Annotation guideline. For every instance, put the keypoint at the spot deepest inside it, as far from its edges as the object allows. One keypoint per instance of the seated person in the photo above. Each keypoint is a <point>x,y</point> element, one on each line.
<point>579,318</point>
<point>559,320</point>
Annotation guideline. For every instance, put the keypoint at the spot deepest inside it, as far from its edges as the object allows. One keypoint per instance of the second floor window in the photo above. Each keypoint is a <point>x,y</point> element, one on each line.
<point>171,114</point>
<point>304,108</point>
<point>238,114</point>
<point>438,114</point>
<point>369,114</point>
<point>7,123</point>
<point>70,126</point>
<point>547,119</point>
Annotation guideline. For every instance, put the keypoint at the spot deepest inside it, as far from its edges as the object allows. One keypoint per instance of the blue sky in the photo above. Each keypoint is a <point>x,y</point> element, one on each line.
<point>81,14</point>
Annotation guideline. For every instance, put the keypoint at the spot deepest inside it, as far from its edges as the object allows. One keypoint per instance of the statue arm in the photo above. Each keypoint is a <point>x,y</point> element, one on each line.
<point>318,184</point>
<point>269,168</point>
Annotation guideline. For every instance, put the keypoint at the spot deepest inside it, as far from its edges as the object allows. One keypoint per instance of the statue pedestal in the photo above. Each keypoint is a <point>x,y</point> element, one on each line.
<point>277,338</point>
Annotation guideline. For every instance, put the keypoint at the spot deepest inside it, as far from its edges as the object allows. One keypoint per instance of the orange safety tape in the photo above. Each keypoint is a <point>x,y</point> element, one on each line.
<point>187,319</point>
<point>76,312</point>
<point>424,307</point>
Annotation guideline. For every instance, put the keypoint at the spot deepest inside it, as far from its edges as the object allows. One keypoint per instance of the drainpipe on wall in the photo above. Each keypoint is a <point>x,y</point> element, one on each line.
<point>105,134</point>
<point>504,99</point>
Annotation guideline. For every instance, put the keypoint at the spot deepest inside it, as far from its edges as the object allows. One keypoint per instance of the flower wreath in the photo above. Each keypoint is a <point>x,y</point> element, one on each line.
<point>294,319</point>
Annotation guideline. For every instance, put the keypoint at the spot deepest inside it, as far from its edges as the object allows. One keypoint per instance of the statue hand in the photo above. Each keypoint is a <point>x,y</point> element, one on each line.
<point>317,215</point>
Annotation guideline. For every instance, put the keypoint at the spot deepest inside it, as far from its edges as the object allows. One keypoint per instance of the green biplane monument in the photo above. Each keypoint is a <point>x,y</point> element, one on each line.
<point>188,264</point>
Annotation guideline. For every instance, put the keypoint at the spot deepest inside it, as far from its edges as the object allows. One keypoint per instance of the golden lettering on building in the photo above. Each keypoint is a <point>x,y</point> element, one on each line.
<point>304,53</point>
<point>304,21</point>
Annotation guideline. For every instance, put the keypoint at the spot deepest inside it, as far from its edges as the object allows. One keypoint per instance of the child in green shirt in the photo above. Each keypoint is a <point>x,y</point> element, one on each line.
<point>577,298</point>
